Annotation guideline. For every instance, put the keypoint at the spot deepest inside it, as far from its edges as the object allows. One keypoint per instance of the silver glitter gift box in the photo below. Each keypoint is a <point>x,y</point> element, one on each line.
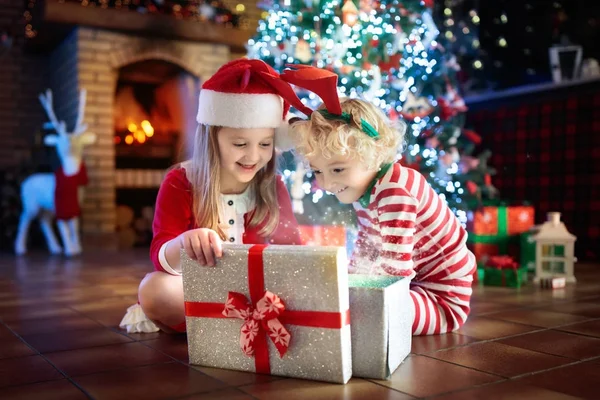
<point>312,282</point>
<point>381,311</point>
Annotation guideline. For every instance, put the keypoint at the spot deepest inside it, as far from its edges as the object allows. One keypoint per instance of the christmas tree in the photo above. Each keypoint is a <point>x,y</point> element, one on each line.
<point>387,52</point>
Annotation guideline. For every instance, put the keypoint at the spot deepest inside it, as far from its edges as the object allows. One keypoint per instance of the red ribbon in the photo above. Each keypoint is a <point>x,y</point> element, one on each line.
<point>502,262</point>
<point>256,286</point>
<point>262,317</point>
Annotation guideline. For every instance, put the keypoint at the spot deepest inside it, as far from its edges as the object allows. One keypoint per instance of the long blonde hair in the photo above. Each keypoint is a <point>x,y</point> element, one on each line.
<point>331,137</point>
<point>205,178</point>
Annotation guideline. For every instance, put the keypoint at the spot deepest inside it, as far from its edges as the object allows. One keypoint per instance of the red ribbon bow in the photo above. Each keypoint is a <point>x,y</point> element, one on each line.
<point>502,262</point>
<point>258,320</point>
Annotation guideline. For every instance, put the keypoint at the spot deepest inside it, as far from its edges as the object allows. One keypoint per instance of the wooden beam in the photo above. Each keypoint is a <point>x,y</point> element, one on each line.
<point>164,26</point>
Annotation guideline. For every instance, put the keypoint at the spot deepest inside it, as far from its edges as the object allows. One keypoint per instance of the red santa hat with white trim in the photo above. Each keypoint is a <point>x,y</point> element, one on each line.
<point>249,94</point>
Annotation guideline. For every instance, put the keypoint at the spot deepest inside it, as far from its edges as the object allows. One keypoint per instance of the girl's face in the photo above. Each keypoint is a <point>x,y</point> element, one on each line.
<point>347,178</point>
<point>243,152</point>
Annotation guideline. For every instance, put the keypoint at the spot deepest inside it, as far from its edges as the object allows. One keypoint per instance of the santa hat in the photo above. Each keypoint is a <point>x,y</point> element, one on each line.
<point>249,94</point>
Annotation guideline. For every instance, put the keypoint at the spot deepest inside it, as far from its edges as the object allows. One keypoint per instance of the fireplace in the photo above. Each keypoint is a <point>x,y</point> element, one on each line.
<point>130,80</point>
<point>154,119</point>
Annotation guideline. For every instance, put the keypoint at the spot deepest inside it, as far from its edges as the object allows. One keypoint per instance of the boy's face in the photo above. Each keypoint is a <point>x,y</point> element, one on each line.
<point>345,177</point>
<point>243,152</point>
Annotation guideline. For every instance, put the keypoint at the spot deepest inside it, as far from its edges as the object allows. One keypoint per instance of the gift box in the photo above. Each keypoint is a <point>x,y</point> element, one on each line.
<point>553,283</point>
<point>528,248</point>
<point>504,271</point>
<point>494,230</point>
<point>327,235</point>
<point>280,310</point>
<point>381,311</point>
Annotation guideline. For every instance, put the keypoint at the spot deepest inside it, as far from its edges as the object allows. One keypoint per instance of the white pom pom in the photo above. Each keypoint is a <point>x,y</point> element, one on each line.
<point>283,138</point>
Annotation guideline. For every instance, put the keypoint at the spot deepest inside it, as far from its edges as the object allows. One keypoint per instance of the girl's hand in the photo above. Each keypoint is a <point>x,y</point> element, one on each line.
<point>202,245</point>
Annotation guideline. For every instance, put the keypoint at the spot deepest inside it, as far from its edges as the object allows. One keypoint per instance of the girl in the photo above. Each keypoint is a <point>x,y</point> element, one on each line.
<point>228,192</point>
<point>405,229</point>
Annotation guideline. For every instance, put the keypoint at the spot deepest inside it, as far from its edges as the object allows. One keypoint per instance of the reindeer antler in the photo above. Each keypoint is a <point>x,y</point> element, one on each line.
<point>80,127</point>
<point>46,101</point>
<point>321,82</point>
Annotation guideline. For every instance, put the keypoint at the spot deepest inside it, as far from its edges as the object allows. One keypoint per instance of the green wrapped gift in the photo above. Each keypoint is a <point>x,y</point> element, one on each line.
<point>504,271</point>
<point>528,249</point>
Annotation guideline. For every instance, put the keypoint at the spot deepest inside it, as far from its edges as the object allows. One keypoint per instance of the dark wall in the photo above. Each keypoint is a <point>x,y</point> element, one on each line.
<point>546,147</point>
<point>22,78</point>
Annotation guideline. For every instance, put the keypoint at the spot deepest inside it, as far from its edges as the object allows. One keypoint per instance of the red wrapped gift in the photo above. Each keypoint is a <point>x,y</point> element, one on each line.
<point>329,235</point>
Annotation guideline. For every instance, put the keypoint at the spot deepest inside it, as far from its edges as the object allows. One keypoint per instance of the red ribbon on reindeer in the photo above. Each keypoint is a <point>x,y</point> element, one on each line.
<point>264,315</point>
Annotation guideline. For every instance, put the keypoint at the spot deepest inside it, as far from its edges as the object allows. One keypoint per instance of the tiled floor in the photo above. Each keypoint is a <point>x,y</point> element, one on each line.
<point>59,339</point>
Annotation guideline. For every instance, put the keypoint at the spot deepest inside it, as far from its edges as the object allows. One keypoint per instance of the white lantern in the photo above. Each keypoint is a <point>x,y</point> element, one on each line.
<point>554,251</point>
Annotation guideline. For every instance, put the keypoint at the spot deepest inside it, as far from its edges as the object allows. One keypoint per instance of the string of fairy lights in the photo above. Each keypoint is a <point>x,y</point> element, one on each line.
<point>214,11</point>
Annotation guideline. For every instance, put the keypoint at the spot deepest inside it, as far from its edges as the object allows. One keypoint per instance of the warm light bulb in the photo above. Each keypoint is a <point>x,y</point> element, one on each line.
<point>147,128</point>
<point>132,127</point>
<point>240,8</point>
<point>128,139</point>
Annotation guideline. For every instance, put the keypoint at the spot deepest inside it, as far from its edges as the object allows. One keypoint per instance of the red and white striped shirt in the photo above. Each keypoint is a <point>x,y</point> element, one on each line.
<point>407,227</point>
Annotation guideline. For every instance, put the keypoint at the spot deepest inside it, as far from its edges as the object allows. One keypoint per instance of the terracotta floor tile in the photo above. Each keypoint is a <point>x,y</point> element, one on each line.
<point>591,328</point>
<point>9,314</point>
<point>53,324</point>
<point>14,347</point>
<point>487,328</point>
<point>537,317</point>
<point>430,343</point>
<point>297,389</point>
<point>228,394</point>
<point>142,337</point>
<point>500,359</point>
<point>71,340</point>
<point>236,378</point>
<point>18,371</point>
<point>576,380</point>
<point>581,308</point>
<point>422,376</point>
<point>150,382</point>
<point>558,343</point>
<point>172,345</point>
<point>484,307</point>
<point>506,390</point>
<point>105,358</point>
<point>53,390</point>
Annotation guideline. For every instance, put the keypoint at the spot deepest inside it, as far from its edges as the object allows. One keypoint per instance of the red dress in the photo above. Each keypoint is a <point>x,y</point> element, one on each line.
<point>66,200</point>
<point>173,215</point>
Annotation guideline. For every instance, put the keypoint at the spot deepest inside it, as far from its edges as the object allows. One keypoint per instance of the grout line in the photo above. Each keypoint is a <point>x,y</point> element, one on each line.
<point>467,367</point>
<point>49,362</point>
<point>575,362</point>
<point>466,389</point>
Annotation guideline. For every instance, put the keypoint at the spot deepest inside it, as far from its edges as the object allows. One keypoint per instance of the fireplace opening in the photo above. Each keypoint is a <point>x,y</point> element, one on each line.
<point>154,122</point>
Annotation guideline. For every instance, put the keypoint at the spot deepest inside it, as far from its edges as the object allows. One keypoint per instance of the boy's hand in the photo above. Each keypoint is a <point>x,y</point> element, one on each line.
<point>202,245</point>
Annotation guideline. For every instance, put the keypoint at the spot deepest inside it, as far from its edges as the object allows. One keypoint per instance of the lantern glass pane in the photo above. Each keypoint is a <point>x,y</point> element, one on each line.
<point>546,266</point>
<point>559,250</point>
<point>557,267</point>
<point>546,250</point>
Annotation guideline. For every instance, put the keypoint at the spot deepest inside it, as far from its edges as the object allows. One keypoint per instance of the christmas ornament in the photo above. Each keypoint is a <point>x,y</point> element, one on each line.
<point>349,13</point>
<point>415,107</point>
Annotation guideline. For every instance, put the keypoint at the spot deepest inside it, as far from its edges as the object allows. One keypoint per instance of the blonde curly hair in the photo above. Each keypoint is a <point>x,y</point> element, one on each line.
<point>332,137</point>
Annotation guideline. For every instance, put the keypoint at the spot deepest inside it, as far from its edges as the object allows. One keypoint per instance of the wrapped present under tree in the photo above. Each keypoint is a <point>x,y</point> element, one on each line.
<point>495,230</point>
<point>504,271</point>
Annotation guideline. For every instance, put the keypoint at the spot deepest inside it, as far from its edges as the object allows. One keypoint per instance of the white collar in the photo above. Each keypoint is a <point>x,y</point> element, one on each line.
<point>242,202</point>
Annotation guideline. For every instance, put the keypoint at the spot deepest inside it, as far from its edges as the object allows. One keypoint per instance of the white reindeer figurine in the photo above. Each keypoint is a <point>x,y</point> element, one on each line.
<point>48,195</point>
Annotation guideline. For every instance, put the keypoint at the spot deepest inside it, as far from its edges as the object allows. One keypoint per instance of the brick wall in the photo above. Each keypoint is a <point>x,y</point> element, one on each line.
<point>99,55</point>
<point>22,78</point>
